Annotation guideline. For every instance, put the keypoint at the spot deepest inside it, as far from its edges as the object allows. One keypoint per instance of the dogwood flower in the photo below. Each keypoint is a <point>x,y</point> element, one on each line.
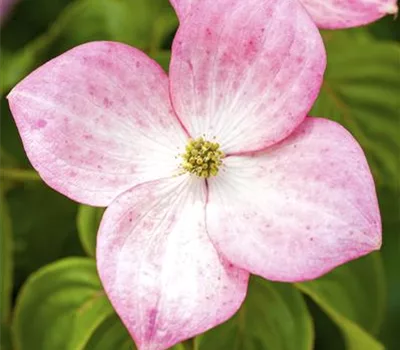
<point>328,14</point>
<point>210,174</point>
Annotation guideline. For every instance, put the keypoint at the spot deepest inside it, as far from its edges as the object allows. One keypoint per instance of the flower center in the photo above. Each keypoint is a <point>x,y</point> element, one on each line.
<point>202,158</point>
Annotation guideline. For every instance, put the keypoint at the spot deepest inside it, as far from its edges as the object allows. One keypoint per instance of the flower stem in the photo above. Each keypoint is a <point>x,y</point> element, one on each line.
<point>196,343</point>
<point>19,174</point>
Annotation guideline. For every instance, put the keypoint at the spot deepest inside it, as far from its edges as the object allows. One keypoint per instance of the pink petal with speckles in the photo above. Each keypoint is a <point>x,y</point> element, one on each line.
<point>161,272</point>
<point>245,72</point>
<point>97,120</point>
<point>330,14</point>
<point>335,14</point>
<point>298,209</point>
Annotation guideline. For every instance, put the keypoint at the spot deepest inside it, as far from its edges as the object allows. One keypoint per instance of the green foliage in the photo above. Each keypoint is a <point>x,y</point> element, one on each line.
<point>390,209</point>
<point>111,334</point>
<point>360,90</point>
<point>5,339</point>
<point>63,306</point>
<point>71,310</point>
<point>88,221</point>
<point>12,152</point>
<point>7,160</point>
<point>273,317</point>
<point>140,23</point>
<point>68,305</point>
<point>6,262</point>
<point>344,294</point>
<point>47,231</point>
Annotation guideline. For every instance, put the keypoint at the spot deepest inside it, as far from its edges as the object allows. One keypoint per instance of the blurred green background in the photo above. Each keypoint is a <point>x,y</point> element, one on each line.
<point>51,298</point>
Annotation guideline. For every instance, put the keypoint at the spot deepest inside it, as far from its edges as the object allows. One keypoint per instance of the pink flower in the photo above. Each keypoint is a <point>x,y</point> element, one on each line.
<point>336,14</point>
<point>329,14</point>
<point>282,196</point>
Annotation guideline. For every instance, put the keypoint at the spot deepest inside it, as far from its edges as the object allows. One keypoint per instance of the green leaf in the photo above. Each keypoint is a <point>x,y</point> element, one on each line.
<point>25,22</point>
<point>327,335</point>
<point>111,334</point>
<point>88,221</point>
<point>274,316</point>
<point>389,200</point>
<point>162,58</point>
<point>15,65</point>
<point>60,307</point>
<point>140,23</point>
<point>7,160</point>
<point>5,338</point>
<point>70,309</point>
<point>387,28</point>
<point>44,228</point>
<point>353,296</point>
<point>6,262</point>
<point>183,346</point>
<point>13,154</point>
<point>360,91</point>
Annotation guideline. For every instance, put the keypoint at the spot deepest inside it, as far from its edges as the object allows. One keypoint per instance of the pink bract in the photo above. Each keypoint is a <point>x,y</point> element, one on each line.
<point>328,14</point>
<point>336,14</point>
<point>294,198</point>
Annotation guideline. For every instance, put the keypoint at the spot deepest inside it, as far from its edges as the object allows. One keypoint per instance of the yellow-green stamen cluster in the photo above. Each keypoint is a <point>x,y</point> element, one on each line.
<point>202,158</point>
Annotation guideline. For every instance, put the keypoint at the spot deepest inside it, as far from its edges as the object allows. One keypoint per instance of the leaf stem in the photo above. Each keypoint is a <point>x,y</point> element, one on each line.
<point>19,174</point>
